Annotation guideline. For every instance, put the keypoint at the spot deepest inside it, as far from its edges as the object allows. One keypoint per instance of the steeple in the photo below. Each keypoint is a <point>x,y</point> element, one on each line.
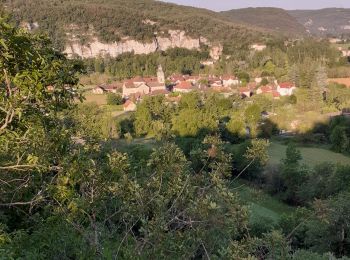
<point>160,74</point>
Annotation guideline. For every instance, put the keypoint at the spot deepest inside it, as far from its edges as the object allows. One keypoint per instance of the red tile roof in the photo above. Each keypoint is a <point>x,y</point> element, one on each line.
<point>155,84</point>
<point>184,85</point>
<point>243,90</point>
<point>267,88</point>
<point>228,77</point>
<point>160,92</point>
<point>251,85</point>
<point>150,79</point>
<point>286,85</point>
<point>138,79</point>
<point>276,94</point>
<point>177,77</point>
<point>129,84</point>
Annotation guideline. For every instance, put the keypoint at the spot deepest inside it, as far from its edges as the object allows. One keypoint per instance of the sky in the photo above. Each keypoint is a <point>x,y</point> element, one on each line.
<point>221,5</point>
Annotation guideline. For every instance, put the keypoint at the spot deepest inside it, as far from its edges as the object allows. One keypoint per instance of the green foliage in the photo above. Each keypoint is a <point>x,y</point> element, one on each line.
<point>128,65</point>
<point>113,20</point>
<point>153,117</point>
<point>266,17</point>
<point>339,139</point>
<point>264,82</point>
<point>293,173</point>
<point>114,99</point>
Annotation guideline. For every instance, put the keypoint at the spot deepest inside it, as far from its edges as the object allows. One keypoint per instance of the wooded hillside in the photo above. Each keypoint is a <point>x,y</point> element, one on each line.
<point>138,19</point>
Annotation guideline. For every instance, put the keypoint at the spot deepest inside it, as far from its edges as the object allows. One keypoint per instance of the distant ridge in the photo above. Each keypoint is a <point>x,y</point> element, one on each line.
<point>268,18</point>
<point>323,22</point>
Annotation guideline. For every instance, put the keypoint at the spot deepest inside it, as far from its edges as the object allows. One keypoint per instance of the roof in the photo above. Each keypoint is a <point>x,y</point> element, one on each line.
<point>228,77</point>
<point>177,77</point>
<point>155,84</point>
<point>267,88</point>
<point>243,90</point>
<point>187,77</point>
<point>112,86</point>
<point>286,85</point>
<point>184,85</point>
<point>222,89</point>
<point>150,79</point>
<point>138,79</point>
<point>276,94</point>
<point>160,92</point>
<point>128,103</point>
<point>129,84</point>
<point>251,85</point>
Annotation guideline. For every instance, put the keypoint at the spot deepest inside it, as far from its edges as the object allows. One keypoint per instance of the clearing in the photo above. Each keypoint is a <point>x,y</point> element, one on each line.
<point>311,155</point>
<point>261,204</point>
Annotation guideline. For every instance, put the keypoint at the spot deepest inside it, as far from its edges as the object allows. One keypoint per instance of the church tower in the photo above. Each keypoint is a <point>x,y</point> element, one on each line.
<point>160,74</point>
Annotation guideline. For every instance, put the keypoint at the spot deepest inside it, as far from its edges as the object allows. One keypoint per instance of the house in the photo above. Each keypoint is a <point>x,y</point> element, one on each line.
<point>129,106</point>
<point>150,80</point>
<point>162,92</point>
<point>192,79</point>
<point>265,89</point>
<point>245,92</point>
<point>216,84</point>
<point>258,47</point>
<point>110,88</point>
<point>176,78</point>
<point>286,88</point>
<point>228,80</point>
<point>156,86</point>
<point>258,80</point>
<point>98,90</point>
<point>207,63</point>
<point>276,95</point>
<point>132,87</point>
<point>183,87</point>
<point>138,80</point>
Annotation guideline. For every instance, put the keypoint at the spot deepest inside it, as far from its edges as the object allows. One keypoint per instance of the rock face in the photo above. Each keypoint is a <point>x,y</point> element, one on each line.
<point>176,39</point>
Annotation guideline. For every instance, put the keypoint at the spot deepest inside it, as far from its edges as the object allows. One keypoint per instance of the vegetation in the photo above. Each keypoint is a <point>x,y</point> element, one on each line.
<point>186,180</point>
<point>272,19</point>
<point>113,20</point>
<point>114,99</point>
<point>177,60</point>
<point>332,19</point>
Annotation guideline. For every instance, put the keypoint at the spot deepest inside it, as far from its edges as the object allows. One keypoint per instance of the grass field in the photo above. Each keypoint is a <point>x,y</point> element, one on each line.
<point>311,156</point>
<point>95,98</point>
<point>261,205</point>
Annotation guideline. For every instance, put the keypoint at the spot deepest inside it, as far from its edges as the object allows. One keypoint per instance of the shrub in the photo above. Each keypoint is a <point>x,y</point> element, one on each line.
<point>114,99</point>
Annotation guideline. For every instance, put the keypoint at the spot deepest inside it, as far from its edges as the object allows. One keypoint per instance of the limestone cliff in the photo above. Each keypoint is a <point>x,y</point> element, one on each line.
<point>176,38</point>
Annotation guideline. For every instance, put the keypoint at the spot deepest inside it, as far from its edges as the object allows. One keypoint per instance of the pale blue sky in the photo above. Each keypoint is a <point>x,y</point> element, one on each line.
<point>220,5</point>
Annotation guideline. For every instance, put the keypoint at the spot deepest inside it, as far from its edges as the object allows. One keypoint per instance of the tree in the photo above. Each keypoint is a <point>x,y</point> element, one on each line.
<point>252,115</point>
<point>153,117</point>
<point>293,173</point>
<point>339,139</point>
<point>329,230</point>
<point>264,82</point>
<point>114,99</point>
<point>36,84</point>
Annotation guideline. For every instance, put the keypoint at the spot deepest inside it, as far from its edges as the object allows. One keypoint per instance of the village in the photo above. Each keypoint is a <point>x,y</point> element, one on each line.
<point>135,89</point>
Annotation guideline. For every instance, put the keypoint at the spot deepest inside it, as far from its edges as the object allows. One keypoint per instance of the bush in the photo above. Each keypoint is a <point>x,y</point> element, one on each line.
<point>114,99</point>
<point>339,139</point>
